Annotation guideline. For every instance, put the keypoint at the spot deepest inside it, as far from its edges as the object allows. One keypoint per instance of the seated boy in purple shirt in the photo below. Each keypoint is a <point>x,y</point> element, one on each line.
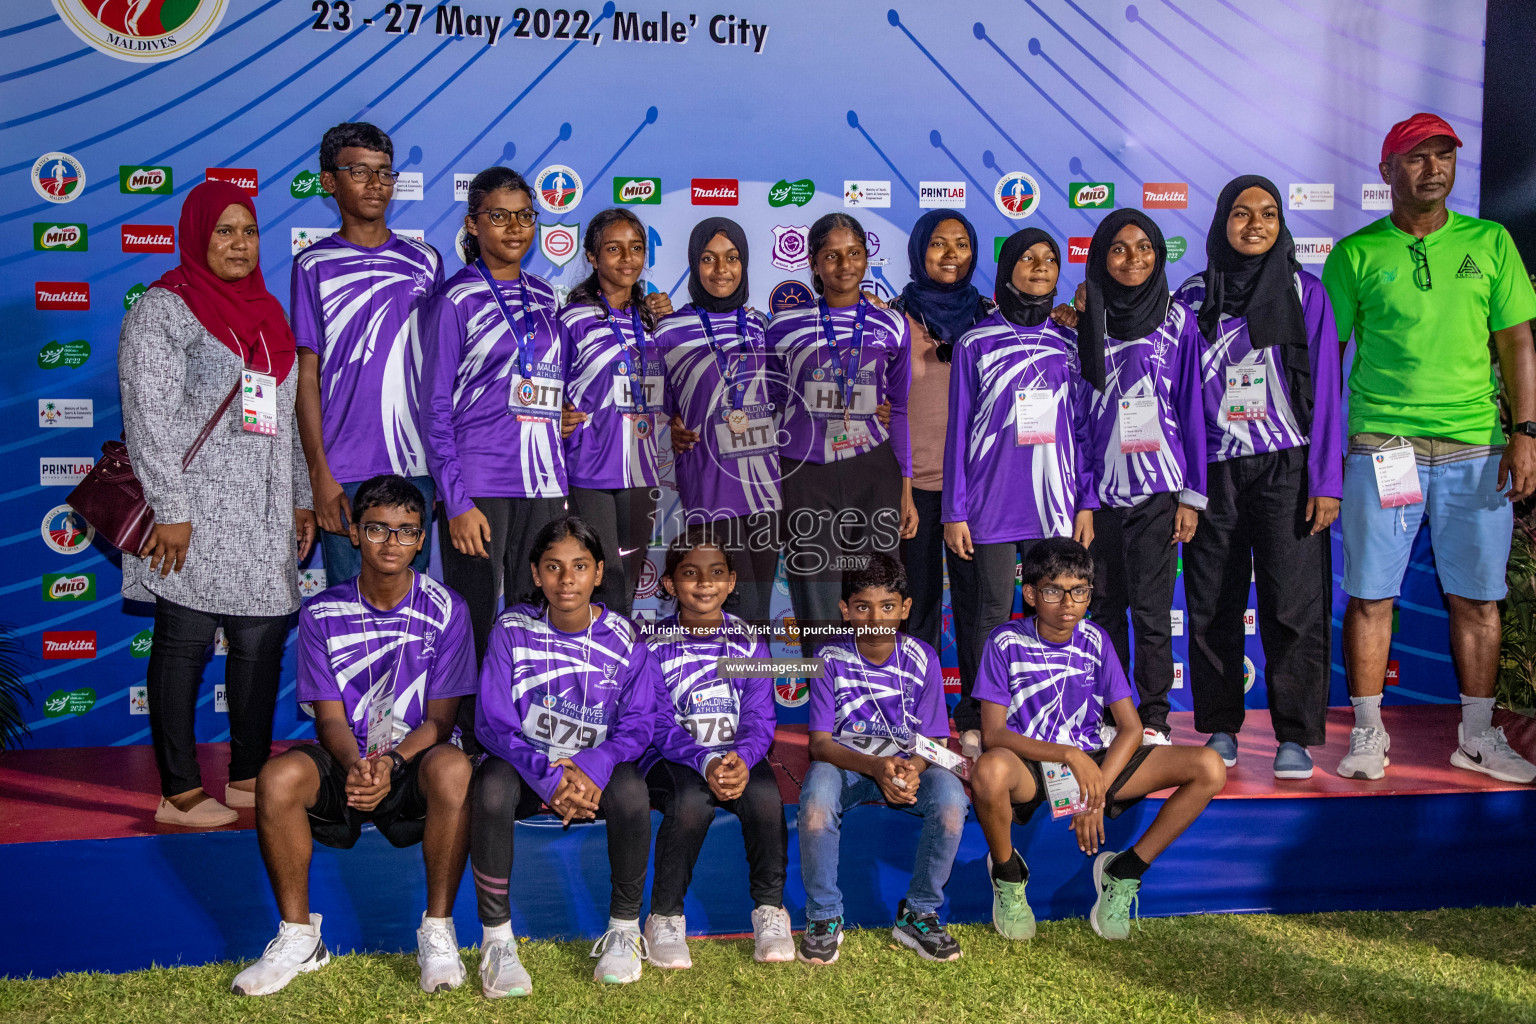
<point>383,658</point>
<point>1047,685</point>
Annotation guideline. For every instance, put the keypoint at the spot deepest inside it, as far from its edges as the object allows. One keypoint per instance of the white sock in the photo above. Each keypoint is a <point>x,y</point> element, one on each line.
<point>1368,712</point>
<point>1476,715</point>
<point>614,924</point>
<point>444,922</point>
<point>490,933</point>
<point>307,928</point>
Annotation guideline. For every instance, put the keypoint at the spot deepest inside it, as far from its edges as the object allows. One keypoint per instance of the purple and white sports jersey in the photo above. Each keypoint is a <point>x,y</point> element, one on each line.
<point>616,446</point>
<point>726,474</point>
<point>800,365</point>
<point>352,306</point>
<point>1018,431</point>
<point>547,695</point>
<point>1148,426</point>
<point>1234,429</point>
<point>491,432</point>
<point>421,648</point>
<point>876,709</point>
<point>699,715</point>
<point>1054,693</point>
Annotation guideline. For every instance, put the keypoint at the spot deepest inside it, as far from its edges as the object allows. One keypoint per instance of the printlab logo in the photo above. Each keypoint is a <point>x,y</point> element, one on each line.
<point>149,238</point>
<point>243,178</point>
<point>59,237</point>
<point>867,193</point>
<point>933,195</point>
<point>306,185</point>
<point>58,177</point>
<point>637,191</point>
<point>790,295</point>
<point>66,412</point>
<point>791,248</point>
<point>61,587</point>
<point>787,193</point>
<point>66,532</point>
<point>63,295</point>
<point>1313,250</point>
<point>1077,248</point>
<point>558,242</point>
<point>144,180</point>
<point>69,643</point>
<point>69,702</point>
<point>72,354</point>
<point>558,188</point>
<point>1375,196</point>
<point>461,186</point>
<point>1165,195</point>
<point>1017,195</point>
<point>714,192</point>
<point>142,31</point>
<point>1091,195</point>
<point>64,471</point>
<point>1310,196</point>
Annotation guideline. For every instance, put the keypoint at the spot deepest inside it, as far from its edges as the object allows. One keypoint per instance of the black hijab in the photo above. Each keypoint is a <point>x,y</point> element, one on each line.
<point>946,310</point>
<point>703,231</point>
<point>1113,310</point>
<point>1016,307</point>
<point>1261,288</point>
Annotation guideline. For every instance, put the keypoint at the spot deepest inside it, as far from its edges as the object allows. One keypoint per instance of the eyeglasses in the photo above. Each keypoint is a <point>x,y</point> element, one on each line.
<point>1053,595</point>
<point>362,173</point>
<point>501,218</point>
<point>1420,253</point>
<point>378,533</point>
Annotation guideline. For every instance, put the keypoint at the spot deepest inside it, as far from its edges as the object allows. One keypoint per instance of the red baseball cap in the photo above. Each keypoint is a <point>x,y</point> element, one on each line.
<point>1407,134</point>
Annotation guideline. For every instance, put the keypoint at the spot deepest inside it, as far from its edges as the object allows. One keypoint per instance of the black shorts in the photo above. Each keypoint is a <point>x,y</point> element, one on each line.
<point>1113,805</point>
<point>401,816</point>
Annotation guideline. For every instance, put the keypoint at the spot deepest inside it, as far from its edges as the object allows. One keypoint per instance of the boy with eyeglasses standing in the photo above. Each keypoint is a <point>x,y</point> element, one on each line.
<point>352,300</point>
<point>383,661</point>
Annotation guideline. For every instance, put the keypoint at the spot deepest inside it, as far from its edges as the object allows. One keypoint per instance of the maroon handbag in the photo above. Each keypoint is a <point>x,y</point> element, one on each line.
<point>111,498</point>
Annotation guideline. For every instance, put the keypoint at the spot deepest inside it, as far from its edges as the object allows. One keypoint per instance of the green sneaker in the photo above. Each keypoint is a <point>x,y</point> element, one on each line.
<point>1111,915</point>
<point>1011,915</point>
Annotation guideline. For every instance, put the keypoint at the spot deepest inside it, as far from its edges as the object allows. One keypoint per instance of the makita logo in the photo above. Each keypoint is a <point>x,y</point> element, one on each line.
<point>1165,195</point>
<point>70,644</point>
<point>149,238</point>
<point>60,236</point>
<point>145,180</point>
<point>63,295</point>
<point>714,191</point>
<point>1077,249</point>
<point>241,177</point>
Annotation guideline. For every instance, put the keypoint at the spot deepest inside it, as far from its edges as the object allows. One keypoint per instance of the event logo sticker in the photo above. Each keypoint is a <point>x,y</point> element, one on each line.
<point>867,193</point>
<point>1077,248</point>
<point>791,248</point>
<point>142,31</point>
<point>936,195</point>
<point>1091,195</point>
<point>68,702</point>
<point>1313,250</point>
<point>243,178</point>
<point>141,643</point>
<point>55,354</point>
<point>714,191</point>
<point>1375,196</point>
<point>66,531</point>
<point>1178,245</point>
<point>1310,196</point>
<point>64,471</point>
<point>558,188</point>
<point>60,237</point>
<point>70,643</point>
<point>149,238</point>
<point>791,692</point>
<point>141,181</point>
<point>559,242</point>
<point>58,177</point>
<point>63,295</point>
<point>791,193</point>
<point>133,295</point>
<point>306,185</point>
<point>66,412</point>
<point>790,295</point>
<point>1165,195</point>
<point>61,587</point>
<point>637,191</point>
<point>1017,195</point>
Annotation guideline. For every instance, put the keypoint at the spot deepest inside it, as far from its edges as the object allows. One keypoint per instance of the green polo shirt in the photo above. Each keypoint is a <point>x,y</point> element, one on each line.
<point>1422,362</point>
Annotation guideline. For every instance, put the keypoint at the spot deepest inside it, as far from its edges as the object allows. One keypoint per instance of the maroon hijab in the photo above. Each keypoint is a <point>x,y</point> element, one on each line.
<point>242,314</point>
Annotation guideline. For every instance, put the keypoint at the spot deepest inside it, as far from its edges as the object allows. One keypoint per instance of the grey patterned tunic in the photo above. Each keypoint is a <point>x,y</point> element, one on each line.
<point>240,491</point>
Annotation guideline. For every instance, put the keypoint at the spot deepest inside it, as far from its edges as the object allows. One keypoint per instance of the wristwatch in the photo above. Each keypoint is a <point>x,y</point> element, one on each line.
<point>398,768</point>
<point>1526,427</point>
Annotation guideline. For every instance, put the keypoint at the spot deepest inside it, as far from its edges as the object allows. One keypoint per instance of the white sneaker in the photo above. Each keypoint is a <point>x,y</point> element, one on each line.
<point>1491,754</point>
<point>298,949</point>
<point>970,743</point>
<point>501,972</point>
<point>1151,737</point>
<point>771,941</point>
<point>622,953</point>
<point>1367,757</point>
<point>666,942</point>
<point>437,951</point>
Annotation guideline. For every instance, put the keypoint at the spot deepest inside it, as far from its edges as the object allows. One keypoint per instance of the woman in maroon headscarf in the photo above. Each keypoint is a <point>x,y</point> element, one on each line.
<point>229,526</point>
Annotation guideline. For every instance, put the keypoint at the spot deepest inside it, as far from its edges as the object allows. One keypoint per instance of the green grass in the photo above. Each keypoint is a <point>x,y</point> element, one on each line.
<point>1438,967</point>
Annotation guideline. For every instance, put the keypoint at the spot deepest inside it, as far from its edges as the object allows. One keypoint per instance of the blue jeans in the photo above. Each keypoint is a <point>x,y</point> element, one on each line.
<point>829,791</point>
<point>343,561</point>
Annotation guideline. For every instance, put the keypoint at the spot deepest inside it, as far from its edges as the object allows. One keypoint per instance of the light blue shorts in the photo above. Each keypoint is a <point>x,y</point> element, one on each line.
<point>1470,523</point>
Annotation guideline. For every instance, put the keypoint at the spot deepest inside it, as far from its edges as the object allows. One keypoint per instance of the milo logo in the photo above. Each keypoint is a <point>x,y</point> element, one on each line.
<point>1092,195</point>
<point>80,586</point>
<point>63,353</point>
<point>637,191</point>
<point>142,641</point>
<point>305,185</point>
<point>144,180</point>
<point>69,702</point>
<point>62,237</point>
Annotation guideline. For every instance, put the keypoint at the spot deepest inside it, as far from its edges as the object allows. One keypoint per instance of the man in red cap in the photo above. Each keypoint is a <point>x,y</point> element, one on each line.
<point>1421,290</point>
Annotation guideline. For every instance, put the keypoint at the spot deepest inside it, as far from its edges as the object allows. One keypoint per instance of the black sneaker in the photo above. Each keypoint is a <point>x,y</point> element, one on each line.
<point>924,934</point>
<point>819,942</point>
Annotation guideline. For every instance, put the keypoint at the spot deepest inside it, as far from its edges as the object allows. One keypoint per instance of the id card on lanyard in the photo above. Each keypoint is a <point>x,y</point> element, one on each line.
<point>1034,416</point>
<point>258,402</point>
<point>635,366</point>
<point>1062,790</point>
<point>1140,430</point>
<point>845,369</point>
<point>1246,398</point>
<point>531,397</point>
<point>1397,476</point>
<point>731,371</point>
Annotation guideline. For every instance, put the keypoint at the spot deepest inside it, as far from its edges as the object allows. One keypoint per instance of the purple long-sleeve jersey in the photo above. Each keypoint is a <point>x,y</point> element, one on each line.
<point>352,306</point>
<point>1148,424</point>
<point>546,695</point>
<point>699,714</point>
<point>491,432</point>
<point>1016,462</point>
<point>877,709</point>
<point>1232,355</point>
<point>616,446</point>
<point>726,474</point>
<point>800,367</point>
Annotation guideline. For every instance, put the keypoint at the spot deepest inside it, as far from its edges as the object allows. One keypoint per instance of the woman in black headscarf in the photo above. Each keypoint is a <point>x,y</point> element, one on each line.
<point>940,305</point>
<point>1270,372</point>
<point>723,428</point>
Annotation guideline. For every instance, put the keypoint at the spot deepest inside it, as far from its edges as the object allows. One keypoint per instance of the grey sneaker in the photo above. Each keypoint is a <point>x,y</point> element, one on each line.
<point>297,949</point>
<point>666,942</point>
<point>1490,753</point>
<point>771,941</point>
<point>621,953</point>
<point>437,951</point>
<point>501,972</point>
<point>1367,757</point>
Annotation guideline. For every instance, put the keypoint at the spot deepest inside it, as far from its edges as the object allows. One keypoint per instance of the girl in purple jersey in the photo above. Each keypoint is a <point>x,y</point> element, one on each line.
<point>566,708</point>
<point>614,388</point>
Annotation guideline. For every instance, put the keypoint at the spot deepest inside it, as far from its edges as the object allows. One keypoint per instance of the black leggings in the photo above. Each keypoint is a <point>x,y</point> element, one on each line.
<point>688,806</point>
<point>499,796</point>
<point>624,519</point>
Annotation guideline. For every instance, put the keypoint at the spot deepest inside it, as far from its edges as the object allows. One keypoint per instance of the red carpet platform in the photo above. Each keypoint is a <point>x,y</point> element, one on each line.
<point>80,853</point>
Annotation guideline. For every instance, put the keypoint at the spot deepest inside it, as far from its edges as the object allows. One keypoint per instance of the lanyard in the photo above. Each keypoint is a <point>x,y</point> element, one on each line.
<point>842,373</point>
<point>895,664</point>
<point>730,370</point>
<point>522,330</point>
<point>637,358</point>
